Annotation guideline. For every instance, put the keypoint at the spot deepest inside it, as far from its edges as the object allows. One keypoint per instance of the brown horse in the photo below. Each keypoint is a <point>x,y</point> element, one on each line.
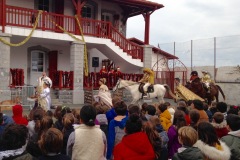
<point>199,88</point>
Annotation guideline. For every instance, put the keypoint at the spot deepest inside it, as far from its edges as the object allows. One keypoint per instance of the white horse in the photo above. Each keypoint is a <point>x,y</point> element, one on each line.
<point>159,90</point>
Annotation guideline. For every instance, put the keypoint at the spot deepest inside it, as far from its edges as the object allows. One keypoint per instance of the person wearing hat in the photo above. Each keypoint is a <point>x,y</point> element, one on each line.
<point>206,79</point>
<point>194,75</point>
<point>148,79</point>
<point>44,78</point>
<point>118,71</point>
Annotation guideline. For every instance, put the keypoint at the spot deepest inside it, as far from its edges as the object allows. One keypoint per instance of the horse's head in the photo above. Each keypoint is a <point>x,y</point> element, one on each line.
<point>117,86</point>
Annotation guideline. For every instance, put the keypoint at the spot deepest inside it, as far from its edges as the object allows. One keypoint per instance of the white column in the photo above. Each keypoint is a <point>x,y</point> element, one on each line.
<point>77,65</point>
<point>147,56</point>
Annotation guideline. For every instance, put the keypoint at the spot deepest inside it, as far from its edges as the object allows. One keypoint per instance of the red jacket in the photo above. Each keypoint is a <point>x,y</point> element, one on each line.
<point>17,115</point>
<point>221,129</point>
<point>135,146</point>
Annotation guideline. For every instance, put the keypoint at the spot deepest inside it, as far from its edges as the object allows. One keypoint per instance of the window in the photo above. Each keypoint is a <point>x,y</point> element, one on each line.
<point>87,12</point>
<point>38,61</point>
<point>43,5</point>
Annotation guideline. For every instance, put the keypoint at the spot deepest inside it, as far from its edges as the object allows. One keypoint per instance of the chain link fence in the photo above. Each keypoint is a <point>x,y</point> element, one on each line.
<point>211,53</point>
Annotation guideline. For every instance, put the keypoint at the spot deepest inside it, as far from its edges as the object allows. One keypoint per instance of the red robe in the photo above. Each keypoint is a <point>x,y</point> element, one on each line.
<point>135,146</point>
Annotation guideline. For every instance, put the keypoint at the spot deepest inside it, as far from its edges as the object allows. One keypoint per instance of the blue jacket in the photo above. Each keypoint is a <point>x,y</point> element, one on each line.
<point>111,134</point>
<point>6,120</point>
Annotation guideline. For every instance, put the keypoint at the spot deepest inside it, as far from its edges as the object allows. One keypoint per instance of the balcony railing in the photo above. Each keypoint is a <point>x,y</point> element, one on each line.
<point>62,80</point>
<point>92,80</point>
<point>23,17</point>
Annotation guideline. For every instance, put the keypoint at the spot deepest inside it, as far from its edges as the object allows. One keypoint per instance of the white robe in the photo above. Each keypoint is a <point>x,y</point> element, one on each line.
<point>46,96</point>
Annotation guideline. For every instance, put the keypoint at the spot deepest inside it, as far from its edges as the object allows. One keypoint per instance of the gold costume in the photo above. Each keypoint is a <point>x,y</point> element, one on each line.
<point>206,79</point>
<point>148,76</point>
<point>184,93</point>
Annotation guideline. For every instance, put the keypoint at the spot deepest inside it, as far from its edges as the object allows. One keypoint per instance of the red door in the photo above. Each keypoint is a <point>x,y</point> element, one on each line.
<point>53,56</point>
<point>59,9</point>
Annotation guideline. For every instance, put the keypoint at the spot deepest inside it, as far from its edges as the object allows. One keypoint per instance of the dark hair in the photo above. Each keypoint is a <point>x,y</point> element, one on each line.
<point>218,117</point>
<point>134,109</point>
<point>189,102</point>
<point>177,79</point>
<point>194,116</point>
<point>167,103</point>
<point>57,113</point>
<point>213,110</point>
<point>115,99</point>
<point>198,104</point>
<point>179,119</point>
<point>233,110</point>
<point>38,114</point>
<point>184,109</point>
<point>133,124</point>
<point>1,118</point>
<point>120,108</point>
<point>65,110</point>
<point>162,107</point>
<point>233,121</point>
<point>205,106</point>
<point>144,107</point>
<point>14,136</point>
<point>51,141</point>
<point>88,115</point>
<point>207,134</point>
<point>222,107</point>
<point>151,110</point>
<point>68,121</point>
<point>49,113</point>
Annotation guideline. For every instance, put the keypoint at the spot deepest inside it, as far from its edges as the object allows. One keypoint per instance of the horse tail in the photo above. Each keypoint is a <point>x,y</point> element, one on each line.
<point>169,91</point>
<point>220,89</point>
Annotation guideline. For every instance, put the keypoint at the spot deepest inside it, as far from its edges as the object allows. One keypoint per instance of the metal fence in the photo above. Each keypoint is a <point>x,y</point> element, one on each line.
<point>212,52</point>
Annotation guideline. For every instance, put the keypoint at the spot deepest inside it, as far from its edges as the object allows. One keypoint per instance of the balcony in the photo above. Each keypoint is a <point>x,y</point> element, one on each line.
<point>23,17</point>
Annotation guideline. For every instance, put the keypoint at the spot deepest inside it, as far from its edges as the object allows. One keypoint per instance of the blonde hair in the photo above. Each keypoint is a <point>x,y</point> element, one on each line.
<point>188,136</point>
<point>103,80</point>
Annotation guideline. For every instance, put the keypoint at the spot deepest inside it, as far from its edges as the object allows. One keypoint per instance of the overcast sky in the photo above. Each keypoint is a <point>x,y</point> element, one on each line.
<point>185,20</point>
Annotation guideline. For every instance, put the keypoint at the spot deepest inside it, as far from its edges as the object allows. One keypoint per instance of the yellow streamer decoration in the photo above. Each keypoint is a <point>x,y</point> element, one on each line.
<point>85,48</point>
<point>28,37</point>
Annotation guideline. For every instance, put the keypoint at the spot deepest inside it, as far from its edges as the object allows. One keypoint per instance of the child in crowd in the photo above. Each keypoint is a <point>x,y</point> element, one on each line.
<point>111,113</point>
<point>156,141</point>
<point>68,121</point>
<point>4,121</point>
<point>116,127</point>
<point>158,127</point>
<point>171,109</point>
<point>88,141</point>
<point>17,115</point>
<point>51,143</point>
<point>194,118</point>
<point>13,143</point>
<point>234,110</point>
<point>198,105</point>
<point>102,118</point>
<point>233,138</point>
<point>165,116</point>
<point>183,107</point>
<point>150,111</point>
<point>173,143</point>
<point>187,137</point>
<point>209,113</point>
<point>222,107</point>
<point>220,124</point>
<point>135,145</point>
<point>208,143</point>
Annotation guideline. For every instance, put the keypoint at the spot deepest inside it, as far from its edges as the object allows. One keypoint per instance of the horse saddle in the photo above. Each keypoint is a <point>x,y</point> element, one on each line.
<point>149,90</point>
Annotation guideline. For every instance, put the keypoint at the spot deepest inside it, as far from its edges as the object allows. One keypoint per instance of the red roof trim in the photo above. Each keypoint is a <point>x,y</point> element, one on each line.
<point>155,49</point>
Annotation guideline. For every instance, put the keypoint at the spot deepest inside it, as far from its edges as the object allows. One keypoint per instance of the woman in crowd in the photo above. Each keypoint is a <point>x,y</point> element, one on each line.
<point>51,143</point>
<point>17,115</point>
<point>210,146</point>
<point>135,145</point>
<point>87,142</point>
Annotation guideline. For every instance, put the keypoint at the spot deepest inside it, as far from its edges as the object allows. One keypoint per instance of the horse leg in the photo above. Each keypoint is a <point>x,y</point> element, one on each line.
<point>160,99</point>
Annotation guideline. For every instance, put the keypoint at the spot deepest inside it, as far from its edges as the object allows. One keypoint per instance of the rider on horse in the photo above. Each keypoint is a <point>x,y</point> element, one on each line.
<point>148,79</point>
<point>194,75</point>
<point>206,79</point>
